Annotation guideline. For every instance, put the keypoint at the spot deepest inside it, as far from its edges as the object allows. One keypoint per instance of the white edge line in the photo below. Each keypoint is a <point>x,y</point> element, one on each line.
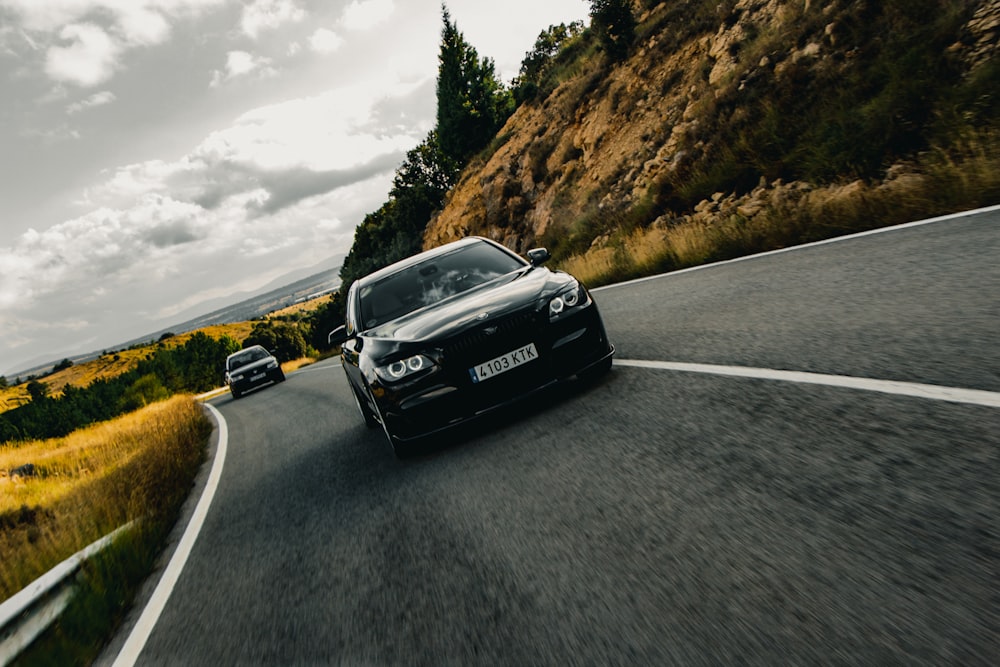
<point>912,389</point>
<point>836,239</point>
<point>151,614</point>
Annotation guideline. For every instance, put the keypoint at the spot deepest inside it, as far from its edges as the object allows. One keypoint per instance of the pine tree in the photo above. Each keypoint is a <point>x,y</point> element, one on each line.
<point>614,24</point>
<point>472,105</point>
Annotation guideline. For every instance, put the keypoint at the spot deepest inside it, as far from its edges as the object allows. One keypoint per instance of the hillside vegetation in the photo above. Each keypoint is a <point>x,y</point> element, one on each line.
<point>118,382</point>
<point>63,494</point>
<point>737,126</point>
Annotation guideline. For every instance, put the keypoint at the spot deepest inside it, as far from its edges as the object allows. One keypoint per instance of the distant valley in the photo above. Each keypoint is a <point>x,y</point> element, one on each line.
<point>291,289</point>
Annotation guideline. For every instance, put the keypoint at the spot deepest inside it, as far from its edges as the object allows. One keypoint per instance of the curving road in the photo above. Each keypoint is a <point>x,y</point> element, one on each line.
<point>659,517</point>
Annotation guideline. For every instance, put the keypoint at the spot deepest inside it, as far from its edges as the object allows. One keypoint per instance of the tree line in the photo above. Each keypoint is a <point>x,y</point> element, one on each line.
<point>472,106</point>
<point>195,366</point>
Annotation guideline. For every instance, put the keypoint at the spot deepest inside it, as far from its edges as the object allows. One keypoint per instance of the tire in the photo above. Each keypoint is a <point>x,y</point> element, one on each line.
<point>399,449</point>
<point>280,376</point>
<point>235,392</point>
<point>366,412</point>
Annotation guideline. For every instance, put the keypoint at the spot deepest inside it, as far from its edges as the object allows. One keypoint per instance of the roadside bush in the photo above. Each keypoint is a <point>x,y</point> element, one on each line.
<point>147,389</point>
<point>284,340</point>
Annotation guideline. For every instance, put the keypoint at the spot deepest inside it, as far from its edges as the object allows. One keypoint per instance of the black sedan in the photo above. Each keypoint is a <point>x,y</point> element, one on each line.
<point>453,333</point>
<point>251,368</point>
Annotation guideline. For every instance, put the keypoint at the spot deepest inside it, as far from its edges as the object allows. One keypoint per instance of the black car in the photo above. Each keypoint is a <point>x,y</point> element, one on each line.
<point>250,368</point>
<point>453,333</point>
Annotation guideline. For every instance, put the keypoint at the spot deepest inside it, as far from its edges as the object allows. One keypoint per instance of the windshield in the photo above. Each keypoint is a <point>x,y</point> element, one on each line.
<point>247,356</point>
<point>431,281</point>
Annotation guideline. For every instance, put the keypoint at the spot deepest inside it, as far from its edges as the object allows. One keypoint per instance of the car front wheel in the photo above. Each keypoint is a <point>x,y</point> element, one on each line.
<point>366,412</point>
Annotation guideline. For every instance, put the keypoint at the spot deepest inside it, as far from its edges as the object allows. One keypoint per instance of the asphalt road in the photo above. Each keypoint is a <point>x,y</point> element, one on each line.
<point>658,517</point>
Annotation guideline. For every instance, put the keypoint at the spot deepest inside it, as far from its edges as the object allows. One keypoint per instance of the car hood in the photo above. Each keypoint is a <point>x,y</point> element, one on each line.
<point>530,288</point>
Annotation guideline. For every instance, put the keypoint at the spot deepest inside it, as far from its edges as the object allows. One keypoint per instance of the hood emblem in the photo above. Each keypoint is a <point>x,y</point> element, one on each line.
<point>489,331</point>
<point>482,316</point>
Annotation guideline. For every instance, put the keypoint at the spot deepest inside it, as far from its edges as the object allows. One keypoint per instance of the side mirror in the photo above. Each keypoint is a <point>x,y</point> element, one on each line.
<point>539,256</point>
<point>338,336</point>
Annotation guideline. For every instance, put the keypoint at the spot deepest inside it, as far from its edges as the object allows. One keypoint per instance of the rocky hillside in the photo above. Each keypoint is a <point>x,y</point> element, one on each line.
<point>724,108</point>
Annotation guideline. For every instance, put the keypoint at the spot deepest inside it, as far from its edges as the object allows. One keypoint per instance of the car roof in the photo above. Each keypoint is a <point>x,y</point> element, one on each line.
<point>430,254</point>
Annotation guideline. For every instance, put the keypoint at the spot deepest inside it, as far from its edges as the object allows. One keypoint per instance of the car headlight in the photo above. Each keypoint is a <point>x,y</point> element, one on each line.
<point>236,378</point>
<point>398,370</point>
<point>567,300</point>
<point>272,364</point>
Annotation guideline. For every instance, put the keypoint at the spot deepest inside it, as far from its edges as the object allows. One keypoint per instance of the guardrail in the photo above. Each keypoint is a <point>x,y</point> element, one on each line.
<point>35,607</point>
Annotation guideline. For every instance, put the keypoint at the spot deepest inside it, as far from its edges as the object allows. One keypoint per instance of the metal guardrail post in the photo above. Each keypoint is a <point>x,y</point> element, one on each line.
<point>34,608</point>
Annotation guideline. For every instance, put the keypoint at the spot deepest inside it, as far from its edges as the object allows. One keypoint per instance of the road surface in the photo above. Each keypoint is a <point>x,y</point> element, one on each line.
<point>658,517</point>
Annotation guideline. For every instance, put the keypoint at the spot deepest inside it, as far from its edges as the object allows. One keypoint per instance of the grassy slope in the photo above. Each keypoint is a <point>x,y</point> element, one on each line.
<point>113,364</point>
<point>92,481</point>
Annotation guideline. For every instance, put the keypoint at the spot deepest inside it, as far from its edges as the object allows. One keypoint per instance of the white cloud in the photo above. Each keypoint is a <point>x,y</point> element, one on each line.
<point>55,134</point>
<point>318,133</point>
<point>132,182</point>
<point>268,15</point>
<point>325,41</point>
<point>240,196</point>
<point>282,154</point>
<point>94,248</point>
<point>89,59</point>
<point>142,26</point>
<point>95,100</point>
<point>241,63</point>
<point>365,14</point>
<point>50,15</point>
<point>94,52</point>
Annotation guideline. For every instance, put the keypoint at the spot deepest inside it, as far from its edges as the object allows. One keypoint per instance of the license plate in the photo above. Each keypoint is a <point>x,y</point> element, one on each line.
<point>259,376</point>
<point>503,363</point>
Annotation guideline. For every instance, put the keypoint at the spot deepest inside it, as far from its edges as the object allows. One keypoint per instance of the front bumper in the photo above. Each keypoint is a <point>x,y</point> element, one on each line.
<point>251,381</point>
<point>448,397</point>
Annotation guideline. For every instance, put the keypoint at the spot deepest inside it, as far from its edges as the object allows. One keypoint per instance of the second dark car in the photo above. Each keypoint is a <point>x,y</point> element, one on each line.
<point>453,333</point>
<point>251,368</point>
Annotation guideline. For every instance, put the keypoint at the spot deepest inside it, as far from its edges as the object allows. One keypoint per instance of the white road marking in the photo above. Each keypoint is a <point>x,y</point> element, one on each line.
<point>912,389</point>
<point>837,239</point>
<point>144,627</point>
<point>151,614</point>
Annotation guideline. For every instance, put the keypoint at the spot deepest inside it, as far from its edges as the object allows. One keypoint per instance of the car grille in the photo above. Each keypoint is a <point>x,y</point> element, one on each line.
<point>477,345</point>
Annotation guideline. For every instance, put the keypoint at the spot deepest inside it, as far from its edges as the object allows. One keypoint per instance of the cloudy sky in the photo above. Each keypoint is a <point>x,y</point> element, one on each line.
<point>156,155</point>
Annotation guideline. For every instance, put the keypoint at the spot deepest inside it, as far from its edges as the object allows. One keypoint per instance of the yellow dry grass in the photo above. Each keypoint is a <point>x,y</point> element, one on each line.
<point>113,364</point>
<point>965,176</point>
<point>88,483</point>
<point>296,364</point>
<point>299,308</point>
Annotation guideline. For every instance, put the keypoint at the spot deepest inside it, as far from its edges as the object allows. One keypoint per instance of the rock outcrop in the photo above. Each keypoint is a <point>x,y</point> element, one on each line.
<point>611,139</point>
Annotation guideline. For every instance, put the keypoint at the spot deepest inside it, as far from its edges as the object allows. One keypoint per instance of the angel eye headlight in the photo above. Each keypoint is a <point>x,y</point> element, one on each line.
<point>398,370</point>
<point>569,299</point>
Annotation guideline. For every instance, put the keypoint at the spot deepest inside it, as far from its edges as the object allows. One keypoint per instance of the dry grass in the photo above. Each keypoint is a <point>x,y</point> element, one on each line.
<point>300,308</point>
<point>92,481</point>
<point>113,364</point>
<point>965,176</point>
<point>296,364</point>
